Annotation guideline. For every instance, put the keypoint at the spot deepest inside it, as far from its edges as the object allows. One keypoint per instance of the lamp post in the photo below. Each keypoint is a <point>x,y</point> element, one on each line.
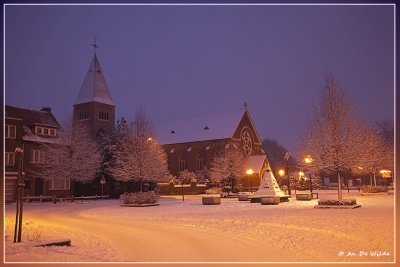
<point>286,158</point>
<point>308,160</point>
<point>249,173</point>
<point>102,182</point>
<point>281,173</point>
<point>301,174</point>
<point>20,197</point>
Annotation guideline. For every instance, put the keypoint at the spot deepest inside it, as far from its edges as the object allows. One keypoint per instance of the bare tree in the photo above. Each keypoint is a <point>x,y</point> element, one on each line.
<point>72,155</point>
<point>375,155</point>
<point>333,137</point>
<point>227,167</point>
<point>138,156</point>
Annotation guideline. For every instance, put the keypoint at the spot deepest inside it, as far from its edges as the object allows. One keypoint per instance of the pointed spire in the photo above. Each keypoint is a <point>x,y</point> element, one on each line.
<point>94,87</point>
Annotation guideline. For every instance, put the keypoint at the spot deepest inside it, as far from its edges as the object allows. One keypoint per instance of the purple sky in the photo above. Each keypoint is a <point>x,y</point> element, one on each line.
<point>178,61</point>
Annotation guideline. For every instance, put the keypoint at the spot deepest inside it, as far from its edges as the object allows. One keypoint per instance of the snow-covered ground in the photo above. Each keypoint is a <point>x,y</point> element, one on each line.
<point>176,231</point>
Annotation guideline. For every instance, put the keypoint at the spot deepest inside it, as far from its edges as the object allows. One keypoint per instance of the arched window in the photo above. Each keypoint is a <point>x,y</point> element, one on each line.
<point>200,161</point>
<point>182,162</point>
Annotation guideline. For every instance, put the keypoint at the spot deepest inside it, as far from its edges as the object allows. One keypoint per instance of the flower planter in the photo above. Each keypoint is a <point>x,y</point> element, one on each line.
<point>211,200</point>
<point>303,196</point>
<point>271,200</point>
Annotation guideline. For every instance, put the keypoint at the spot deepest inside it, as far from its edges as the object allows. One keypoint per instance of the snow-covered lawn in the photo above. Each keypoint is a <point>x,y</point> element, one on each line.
<point>176,231</point>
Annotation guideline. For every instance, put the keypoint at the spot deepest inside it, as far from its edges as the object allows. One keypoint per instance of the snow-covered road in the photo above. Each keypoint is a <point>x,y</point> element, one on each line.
<point>187,231</point>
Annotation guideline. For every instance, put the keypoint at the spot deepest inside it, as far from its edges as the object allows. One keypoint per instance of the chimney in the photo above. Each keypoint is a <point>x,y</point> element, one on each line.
<point>46,109</point>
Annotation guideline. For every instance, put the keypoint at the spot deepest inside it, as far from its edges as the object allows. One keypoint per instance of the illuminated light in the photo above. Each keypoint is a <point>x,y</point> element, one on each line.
<point>149,138</point>
<point>308,159</point>
<point>249,171</point>
<point>301,174</point>
<point>360,168</point>
<point>281,172</point>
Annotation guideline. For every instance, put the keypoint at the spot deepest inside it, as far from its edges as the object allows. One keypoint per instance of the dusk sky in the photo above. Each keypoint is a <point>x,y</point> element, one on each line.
<point>179,61</point>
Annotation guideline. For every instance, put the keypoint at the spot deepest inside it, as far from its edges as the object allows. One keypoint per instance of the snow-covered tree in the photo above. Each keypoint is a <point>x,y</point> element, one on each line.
<point>374,156</point>
<point>74,155</point>
<point>186,177</point>
<point>227,167</point>
<point>333,138</point>
<point>137,156</point>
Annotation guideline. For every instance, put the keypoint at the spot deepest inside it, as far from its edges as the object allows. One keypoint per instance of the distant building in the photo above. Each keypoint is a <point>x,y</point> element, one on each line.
<point>30,130</point>
<point>192,143</point>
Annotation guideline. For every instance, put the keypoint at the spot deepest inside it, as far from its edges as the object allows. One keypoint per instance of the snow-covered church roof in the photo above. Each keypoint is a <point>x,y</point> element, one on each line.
<point>94,87</point>
<point>198,128</point>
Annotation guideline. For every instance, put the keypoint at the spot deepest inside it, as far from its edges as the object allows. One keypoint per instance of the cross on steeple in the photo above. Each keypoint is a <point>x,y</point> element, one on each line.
<point>95,46</point>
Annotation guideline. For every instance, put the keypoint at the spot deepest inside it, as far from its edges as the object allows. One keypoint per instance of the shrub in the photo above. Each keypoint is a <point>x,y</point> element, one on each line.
<point>149,197</point>
<point>375,189</point>
<point>336,202</point>
<point>214,190</point>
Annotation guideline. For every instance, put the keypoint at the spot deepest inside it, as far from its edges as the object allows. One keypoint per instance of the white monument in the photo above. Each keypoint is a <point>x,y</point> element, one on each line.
<point>268,187</point>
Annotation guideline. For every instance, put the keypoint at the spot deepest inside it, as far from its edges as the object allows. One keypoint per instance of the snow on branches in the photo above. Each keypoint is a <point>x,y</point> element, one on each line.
<point>137,156</point>
<point>75,156</point>
<point>228,166</point>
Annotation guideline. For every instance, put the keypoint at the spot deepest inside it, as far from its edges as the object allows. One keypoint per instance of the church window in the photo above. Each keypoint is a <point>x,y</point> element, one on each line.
<point>182,162</point>
<point>103,115</point>
<point>200,161</point>
<point>82,115</point>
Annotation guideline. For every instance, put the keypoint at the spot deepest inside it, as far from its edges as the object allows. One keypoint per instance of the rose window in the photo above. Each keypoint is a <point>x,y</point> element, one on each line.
<point>247,143</point>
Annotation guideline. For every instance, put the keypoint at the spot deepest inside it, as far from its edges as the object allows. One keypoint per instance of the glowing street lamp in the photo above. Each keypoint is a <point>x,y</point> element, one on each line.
<point>250,172</point>
<point>308,160</point>
<point>281,172</point>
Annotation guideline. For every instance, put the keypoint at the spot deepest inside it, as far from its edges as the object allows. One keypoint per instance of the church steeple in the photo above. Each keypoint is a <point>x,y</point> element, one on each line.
<point>94,107</point>
<point>94,87</point>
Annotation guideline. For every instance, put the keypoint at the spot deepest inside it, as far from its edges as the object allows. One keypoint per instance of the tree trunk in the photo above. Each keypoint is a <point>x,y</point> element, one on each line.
<point>339,186</point>
<point>141,184</point>
<point>374,179</point>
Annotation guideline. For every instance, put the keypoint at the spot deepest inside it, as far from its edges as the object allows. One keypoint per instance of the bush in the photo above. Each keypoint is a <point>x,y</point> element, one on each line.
<point>149,197</point>
<point>214,190</point>
<point>375,189</point>
<point>336,202</point>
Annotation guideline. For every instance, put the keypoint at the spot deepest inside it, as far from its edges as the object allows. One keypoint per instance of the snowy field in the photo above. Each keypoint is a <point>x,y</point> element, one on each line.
<point>176,231</point>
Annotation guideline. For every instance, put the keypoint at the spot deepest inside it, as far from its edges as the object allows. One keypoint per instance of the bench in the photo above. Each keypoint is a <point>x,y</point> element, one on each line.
<point>270,200</point>
<point>211,200</point>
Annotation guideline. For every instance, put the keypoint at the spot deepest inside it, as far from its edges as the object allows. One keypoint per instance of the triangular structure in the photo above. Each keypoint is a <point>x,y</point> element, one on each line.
<point>268,186</point>
<point>94,87</point>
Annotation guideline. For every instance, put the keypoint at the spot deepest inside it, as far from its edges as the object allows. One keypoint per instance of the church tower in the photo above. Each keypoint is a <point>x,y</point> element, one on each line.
<point>94,106</point>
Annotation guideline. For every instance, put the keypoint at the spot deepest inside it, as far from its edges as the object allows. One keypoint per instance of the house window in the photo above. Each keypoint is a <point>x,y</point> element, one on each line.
<point>37,156</point>
<point>45,131</point>
<point>182,162</point>
<point>10,131</point>
<point>9,158</point>
<point>59,184</point>
<point>200,161</point>
<point>103,115</point>
<point>82,115</point>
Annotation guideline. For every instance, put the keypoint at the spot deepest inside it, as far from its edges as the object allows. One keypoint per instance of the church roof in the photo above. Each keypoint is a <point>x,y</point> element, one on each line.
<point>198,128</point>
<point>94,87</point>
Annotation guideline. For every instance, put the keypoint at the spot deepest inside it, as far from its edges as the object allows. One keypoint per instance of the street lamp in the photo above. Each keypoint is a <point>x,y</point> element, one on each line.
<point>308,160</point>
<point>286,158</point>
<point>301,174</point>
<point>20,197</point>
<point>102,182</point>
<point>250,172</point>
<point>281,172</point>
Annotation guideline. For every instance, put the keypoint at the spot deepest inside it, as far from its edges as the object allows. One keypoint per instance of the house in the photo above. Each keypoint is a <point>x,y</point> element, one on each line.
<point>30,130</point>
